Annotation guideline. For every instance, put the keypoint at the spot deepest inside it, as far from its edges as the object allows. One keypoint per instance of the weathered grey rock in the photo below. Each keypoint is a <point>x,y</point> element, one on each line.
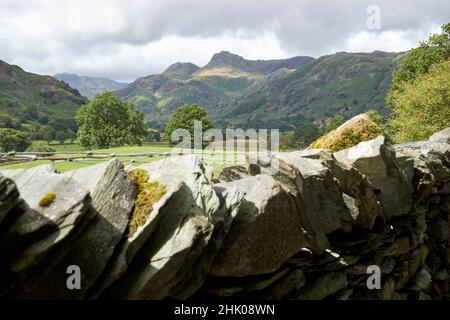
<point>265,232</point>
<point>407,269</point>
<point>439,230</point>
<point>430,160</point>
<point>445,204</point>
<point>301,259</point>
<point>375,159</point>
<point>39,230</point>
<point>321,194</point>
<point>232,173</point>
<point>443,135</point>
<point>421,281</point>
<point>113,196</point>
<point>291,283</point>
<point>228,287</point>
<point>358,194</point>
<point>291,180</point>
<point>24,174</point>
<point>11,207</point>
<point>161,254</point>
<point>324,286</point>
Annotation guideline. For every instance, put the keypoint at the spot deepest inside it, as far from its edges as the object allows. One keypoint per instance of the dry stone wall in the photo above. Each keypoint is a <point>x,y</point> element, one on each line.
<point>309,230</point>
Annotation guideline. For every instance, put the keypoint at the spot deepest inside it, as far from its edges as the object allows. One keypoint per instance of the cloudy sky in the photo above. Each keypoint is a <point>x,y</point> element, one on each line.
<point>126,39</point>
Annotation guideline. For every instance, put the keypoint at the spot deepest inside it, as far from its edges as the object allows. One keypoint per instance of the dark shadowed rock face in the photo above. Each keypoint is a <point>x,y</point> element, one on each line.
<point>113,195</point>
<point>9,197</point>
<point>307,230</point>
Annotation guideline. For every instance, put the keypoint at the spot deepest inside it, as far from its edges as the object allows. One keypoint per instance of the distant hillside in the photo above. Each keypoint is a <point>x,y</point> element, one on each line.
<point>341,83</point>
<point>27,99</point>
<point>268,94</point>
<point>89,86</point>
<point>214,86</point>
<point>180,69</point>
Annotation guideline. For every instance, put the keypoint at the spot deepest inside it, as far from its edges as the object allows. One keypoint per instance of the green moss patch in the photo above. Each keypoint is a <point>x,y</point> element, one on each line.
<point>148,194</point>
<point>47,200</point>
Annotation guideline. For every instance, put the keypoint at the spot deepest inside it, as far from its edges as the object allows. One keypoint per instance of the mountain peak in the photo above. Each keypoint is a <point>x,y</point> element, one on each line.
<point>228,59</point>
<point>225,58</point>
<point>181,69</point>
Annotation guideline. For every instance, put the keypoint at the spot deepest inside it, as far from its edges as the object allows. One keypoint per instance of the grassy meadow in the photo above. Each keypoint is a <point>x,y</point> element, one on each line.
<point>217,161</point>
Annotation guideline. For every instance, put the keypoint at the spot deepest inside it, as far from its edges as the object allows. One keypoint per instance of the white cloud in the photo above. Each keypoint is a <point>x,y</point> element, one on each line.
<point>127,39</point>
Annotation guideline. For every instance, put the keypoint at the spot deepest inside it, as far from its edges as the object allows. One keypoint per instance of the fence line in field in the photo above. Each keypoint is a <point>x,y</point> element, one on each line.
<point>10,158</point>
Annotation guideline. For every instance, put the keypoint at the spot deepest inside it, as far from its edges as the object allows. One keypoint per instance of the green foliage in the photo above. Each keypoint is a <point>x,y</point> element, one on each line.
<point>47,199</point>
<point>108,122</point>
<point>305,134</point>
<point>343,83</point>
<point>71,135</point>
<point>48,134</point>
<point>287,140</point>
<point>61,136</point>
<point>423,106</point>
<point>13,140</point>
<point>349,83</point>
<point>153,135</point>
<point>29,99</point>
<point>375,116</point>
<point>334,123</point>
<point>184,118</point>
<point>40,146</point>
<point>148,194</point>
<point>418,62</point>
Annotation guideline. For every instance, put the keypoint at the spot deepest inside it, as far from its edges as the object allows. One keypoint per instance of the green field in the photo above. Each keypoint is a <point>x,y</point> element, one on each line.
<point>217,161</point>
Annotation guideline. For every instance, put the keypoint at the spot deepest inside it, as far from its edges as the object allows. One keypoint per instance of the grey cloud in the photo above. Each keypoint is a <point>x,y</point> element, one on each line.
<point>303,27</point>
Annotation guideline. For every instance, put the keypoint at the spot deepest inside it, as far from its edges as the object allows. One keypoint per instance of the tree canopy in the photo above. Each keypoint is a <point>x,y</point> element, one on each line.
<point>417,62</point>
<point>423,106</point>
<point>108,122</point>
<point>305,134</point>
<point>420,90</point>
<point>184,118</point>
<point>13,140</point>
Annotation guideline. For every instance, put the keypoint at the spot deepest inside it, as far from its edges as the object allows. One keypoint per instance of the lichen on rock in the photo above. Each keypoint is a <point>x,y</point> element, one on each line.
<point>47,199</point>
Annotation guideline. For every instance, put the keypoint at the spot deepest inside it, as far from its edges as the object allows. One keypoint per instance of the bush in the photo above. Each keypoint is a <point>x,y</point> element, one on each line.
<point>108,122</point>
<point>423,106</point>
<point>40,146</point>
<point>184,118</point>
<point>305,134</point>
<point>13,140</point>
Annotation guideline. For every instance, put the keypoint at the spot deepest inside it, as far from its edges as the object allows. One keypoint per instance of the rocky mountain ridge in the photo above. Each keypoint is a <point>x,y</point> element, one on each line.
<point>90,86</point>
<point>268,94</point>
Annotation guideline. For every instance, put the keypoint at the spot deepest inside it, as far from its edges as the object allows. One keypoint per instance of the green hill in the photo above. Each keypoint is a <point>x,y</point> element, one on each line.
<point>28,99</point>
<point>214,86</point>
<point>268,94</point>
<point>343,83</point>
<point>90,86</point>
